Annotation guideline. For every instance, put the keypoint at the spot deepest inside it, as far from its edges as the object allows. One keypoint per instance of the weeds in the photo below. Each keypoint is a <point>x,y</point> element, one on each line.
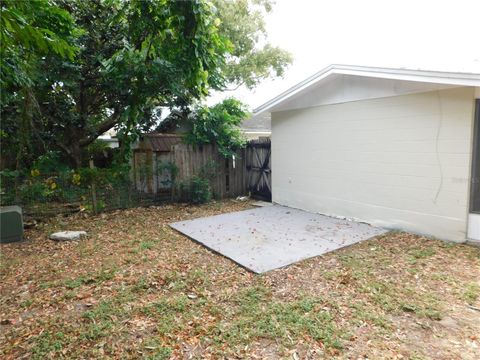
<point>471,293</point>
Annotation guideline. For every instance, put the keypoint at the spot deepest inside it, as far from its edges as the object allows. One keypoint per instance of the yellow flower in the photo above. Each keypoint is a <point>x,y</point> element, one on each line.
<point>76,179</point>
<point>35,172</point>
<point>53,185</point>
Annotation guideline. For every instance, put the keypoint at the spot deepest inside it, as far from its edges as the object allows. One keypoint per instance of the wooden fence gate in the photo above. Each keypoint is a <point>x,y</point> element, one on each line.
<point>259,173</point>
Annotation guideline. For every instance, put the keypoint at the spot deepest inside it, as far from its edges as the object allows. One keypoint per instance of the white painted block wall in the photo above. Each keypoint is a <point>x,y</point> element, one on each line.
<point>400,162</point>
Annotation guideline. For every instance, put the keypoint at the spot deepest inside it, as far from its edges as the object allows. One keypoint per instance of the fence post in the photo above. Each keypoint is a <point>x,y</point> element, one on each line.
<point>94,190</point>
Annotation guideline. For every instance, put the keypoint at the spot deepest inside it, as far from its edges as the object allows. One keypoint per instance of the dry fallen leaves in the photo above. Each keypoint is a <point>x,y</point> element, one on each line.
<point>136,288</point>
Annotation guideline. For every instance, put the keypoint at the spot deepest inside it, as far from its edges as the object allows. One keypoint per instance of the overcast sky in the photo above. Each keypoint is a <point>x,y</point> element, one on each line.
<point>416,34</point>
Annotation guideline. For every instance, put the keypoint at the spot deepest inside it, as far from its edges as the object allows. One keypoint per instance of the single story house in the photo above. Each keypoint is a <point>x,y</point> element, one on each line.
<point>396,148</point>
<point>257,126</point>
<point>253,127</point>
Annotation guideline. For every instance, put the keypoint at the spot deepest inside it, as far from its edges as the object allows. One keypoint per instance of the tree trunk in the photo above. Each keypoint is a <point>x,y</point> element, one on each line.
<point>76,155</point>
<point>79,140</point>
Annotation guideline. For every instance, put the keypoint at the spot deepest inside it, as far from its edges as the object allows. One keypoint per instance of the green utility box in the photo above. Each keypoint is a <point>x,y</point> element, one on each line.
<point>11,224</point>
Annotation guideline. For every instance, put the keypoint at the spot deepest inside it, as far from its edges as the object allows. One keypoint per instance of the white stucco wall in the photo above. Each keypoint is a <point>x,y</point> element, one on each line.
<point>400,162</point>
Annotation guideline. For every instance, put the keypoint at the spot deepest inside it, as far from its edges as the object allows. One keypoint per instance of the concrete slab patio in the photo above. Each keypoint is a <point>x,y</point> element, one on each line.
<point>267,238</point>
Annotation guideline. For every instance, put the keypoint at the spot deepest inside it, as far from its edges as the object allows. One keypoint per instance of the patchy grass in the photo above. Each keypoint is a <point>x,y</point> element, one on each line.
<point>471,293</point>
<point>136,289</point>
<point>256,315</point>
<point>47,343</point>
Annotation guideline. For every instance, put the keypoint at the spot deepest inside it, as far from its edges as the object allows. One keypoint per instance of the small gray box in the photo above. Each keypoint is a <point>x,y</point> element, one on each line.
<point>11,224</point>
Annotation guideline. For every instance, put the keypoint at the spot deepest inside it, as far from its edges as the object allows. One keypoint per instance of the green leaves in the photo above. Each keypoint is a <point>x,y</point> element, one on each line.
<point>219,125</point>
<point>29,31</point>
<point>73,69</point>
<point>32,27</point>
<point>183,35</point>
<point>243,25</point>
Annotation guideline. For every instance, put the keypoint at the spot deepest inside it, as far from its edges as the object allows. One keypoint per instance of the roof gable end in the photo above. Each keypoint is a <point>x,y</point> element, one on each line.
<point>341,83</point>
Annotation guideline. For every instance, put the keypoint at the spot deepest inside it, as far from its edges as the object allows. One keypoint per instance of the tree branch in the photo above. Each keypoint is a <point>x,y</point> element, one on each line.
<point>101,128</point>
<point>235,88</point>
<point>63,147</point>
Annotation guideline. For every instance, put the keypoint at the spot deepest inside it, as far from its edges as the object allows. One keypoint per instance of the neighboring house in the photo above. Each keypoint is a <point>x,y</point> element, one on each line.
<point>254,127</point>
<point>110,137</point>
<point>150,153</point>
<point>112,142</point>
<point>392,147</point>
<point>257,126</point>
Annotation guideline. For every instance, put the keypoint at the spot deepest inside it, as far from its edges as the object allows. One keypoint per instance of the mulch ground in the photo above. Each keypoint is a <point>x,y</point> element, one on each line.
<point>134,288</point>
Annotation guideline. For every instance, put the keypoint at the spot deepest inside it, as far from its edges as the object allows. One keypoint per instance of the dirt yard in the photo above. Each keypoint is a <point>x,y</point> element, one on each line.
<point>137,289</point>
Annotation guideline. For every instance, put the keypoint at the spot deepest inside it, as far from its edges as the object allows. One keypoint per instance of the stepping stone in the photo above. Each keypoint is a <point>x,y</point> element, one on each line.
<point>68,235</point>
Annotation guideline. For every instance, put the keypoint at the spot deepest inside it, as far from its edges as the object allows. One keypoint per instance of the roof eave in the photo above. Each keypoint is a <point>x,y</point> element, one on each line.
<point>438,77</point>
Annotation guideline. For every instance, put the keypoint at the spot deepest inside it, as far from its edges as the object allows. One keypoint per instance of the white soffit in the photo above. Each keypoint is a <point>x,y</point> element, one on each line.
<point>343,83</point>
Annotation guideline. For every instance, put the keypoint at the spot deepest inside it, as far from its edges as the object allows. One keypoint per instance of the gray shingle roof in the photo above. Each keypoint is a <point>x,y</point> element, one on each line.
<point>261,122</point>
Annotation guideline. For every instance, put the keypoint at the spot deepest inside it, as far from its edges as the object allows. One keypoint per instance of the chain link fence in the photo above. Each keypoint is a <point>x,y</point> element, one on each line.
<point>91,190</point>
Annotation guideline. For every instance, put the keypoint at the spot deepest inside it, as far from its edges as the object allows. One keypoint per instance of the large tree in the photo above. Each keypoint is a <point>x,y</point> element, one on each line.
<point>252,58</point>
<point>29,30</point>
<point>135,56</point>
<point>138,56</point>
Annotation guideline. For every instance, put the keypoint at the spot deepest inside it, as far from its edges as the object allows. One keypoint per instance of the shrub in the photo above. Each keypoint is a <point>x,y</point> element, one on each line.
<point>51,162</point>
<point>37,186</point>
<point>195,190</point>
<point>8,178</point>
<point>40,191</point>
<point>168,170</point>
<point>220,125</point>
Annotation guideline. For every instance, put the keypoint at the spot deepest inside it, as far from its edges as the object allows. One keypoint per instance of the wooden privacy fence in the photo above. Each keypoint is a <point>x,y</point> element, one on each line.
<point>226,176</point>
<point>248,172</point>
